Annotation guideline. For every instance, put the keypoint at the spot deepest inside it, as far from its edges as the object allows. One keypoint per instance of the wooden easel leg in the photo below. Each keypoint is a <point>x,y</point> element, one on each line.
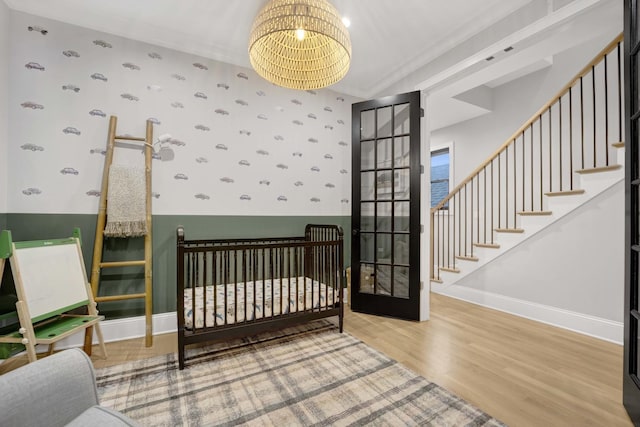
<point>103,348</point>
<point>88,338</point>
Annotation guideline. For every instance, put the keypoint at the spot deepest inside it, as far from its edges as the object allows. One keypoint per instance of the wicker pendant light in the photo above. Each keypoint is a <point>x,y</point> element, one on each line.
<point>300,44</point>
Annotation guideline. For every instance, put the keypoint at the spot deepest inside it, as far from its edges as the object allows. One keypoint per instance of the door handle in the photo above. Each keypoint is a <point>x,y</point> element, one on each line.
<point>355,232</point>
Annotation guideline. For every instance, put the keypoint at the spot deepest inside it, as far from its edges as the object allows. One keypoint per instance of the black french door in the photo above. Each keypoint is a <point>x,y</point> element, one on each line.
<point>385,249</point>
<point>631,380</point>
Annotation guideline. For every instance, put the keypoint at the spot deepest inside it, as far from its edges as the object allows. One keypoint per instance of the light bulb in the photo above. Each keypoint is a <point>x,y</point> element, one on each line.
<point>346,21</point>
<point>300,34</point>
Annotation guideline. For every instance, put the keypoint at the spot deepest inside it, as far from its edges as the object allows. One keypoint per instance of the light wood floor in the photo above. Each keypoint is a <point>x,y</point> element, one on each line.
<point>519,371</point>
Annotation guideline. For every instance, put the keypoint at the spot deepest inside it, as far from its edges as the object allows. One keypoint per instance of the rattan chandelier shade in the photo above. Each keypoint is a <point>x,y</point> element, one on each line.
<point>320,59</point>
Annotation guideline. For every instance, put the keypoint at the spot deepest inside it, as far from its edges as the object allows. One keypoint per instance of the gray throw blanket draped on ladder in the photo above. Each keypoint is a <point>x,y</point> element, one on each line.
<point>126,202</point>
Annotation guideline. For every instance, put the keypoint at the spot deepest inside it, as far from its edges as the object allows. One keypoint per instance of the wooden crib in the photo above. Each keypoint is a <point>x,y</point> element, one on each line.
<point>239,287</point>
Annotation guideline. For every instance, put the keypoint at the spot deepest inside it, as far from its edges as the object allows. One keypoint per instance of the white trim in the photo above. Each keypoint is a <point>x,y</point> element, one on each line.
<point>125,329</point>
<point>596,327</point>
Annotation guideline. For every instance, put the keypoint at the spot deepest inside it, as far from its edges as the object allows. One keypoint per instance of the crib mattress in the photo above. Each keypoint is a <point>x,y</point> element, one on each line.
<point>300,294</point>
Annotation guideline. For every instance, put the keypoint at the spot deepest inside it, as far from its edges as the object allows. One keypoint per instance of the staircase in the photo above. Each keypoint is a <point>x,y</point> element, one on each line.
<point>566,154</point>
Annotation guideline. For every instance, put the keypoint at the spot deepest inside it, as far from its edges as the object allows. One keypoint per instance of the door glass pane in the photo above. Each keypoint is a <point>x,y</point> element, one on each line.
<point>366,278</point>
<point>401,249</point>
<point>384,217</point>
<point>385,182</point>
<point>384,248</point>
<point>367,155</point>
<point>402,120</point>
<point>401,184</point>
<point>367,216</point>
<point>384,122</point>
<point>367,247</point>
<point>401,282</point>
<point>401,152</point>
<point>367,124</point>
<point>401,216</point>
<point>634,343</point>
<point>385,153</point>
<point>383,280</point>
<point>367,185</point>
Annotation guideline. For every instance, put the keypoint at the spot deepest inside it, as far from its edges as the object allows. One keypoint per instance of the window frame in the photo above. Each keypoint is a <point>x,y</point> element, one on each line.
<point>449,145</point>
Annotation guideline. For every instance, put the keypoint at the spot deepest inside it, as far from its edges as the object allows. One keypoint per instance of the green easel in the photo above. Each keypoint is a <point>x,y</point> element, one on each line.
<point>50,281</point>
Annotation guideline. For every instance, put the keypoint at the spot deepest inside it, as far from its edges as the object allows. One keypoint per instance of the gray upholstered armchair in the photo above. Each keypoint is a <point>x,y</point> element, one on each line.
<point>58,390</point>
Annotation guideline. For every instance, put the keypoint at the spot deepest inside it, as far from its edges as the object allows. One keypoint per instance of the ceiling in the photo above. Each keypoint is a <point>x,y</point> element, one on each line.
<point>398,45</point>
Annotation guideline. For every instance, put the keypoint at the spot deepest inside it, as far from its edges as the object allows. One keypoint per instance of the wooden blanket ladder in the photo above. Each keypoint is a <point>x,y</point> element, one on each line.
<point>98,263</point>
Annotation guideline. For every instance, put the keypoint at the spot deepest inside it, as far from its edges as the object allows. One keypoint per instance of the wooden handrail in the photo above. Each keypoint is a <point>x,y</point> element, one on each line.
<point>533,118</point>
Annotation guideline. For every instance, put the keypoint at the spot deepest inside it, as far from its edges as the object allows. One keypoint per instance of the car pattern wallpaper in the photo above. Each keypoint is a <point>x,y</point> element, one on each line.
<point>238,146</point>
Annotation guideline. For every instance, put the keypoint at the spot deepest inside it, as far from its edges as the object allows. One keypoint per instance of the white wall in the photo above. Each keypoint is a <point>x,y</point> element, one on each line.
<point>513,104</point>
<point>4,103</point>
<point>269,133</point>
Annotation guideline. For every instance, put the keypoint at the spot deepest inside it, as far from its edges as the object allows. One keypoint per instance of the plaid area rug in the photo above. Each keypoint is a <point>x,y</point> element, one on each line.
<point>307,375</point>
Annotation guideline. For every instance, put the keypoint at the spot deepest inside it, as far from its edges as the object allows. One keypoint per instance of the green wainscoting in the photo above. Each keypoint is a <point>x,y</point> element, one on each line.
<point>3,221</point>
<point>131,280</point>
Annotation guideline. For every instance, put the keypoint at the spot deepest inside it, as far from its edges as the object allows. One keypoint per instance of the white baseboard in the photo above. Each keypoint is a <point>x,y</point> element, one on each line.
<point>124,329</point>
<point>597,327</point>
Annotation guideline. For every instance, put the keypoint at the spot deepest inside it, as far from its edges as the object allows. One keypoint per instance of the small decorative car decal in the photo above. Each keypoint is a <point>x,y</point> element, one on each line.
<point>339,98</point>
<point>223,86</point>
<point>342,143</point>
<point>221,112</point>
<point>73,88</point>
<point>282,198</point>
<point>98,76</point>
<point>33,66</point>
<point>265,182</point>
<point>130,97</point>
<point>96,112</point>
<point>32,147</point>
<point>155,88</point>
<point>98,151</point>
<point>102,43</point>
<point>181,176</point>
<point>344,201</point>
<point>261,93</point>
<point>312,92</point>
<point>244,163</point>
<point>202,128</point>
<point>328,156</point>
<point>221,147</point>
<point>177,104</point>
<point>71,54</point>
<point>315,169</point>
<point>32,105</point>
<point>298,183</point>
<point>202,160</point>
<point>328,127</point>
<point>278,138</point>
<point>131,66</point>
<point>176,142</point>
<point>297,154</point>
<point>37,29</point>
<point>282,166</point>
<point>31,190</point>
<point>242,102</point>
<point>329,185</point>
<point>200,95</point>
<point>202,196</point>
<point>245,132</point>
<point>95,193</point>
<point>328,109</point>
<point>227,180</point>
<point>262,117</point>
<point>69,171</point>
<point>312,116</point>
<point>178,77</point>
<point>72,130</point>
<point>314,200</point>
<point>297,102</point>
<point>242,76</point>
<point>155,195</point>
<point>313,140</point>
<point>154,55</point>
<point>262,152</point>
<point>245,197</point>
<point>340,121</point>
<point>344,171</point>
<point>297,122</point>
<point>200,66</point>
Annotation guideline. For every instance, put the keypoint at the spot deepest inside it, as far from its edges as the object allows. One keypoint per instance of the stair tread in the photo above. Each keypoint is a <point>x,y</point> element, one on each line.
<point>467,258</point>
<point>435,279</point>
<point>599,169</point>
<point>450,269</point>
<point>509,230</point>
<point>535,213</point>
<point>487,245</point>
<point>564,193</point>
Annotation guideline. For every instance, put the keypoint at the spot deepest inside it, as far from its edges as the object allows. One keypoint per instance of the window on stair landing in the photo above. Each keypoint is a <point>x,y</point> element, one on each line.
<point>440,174</point>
